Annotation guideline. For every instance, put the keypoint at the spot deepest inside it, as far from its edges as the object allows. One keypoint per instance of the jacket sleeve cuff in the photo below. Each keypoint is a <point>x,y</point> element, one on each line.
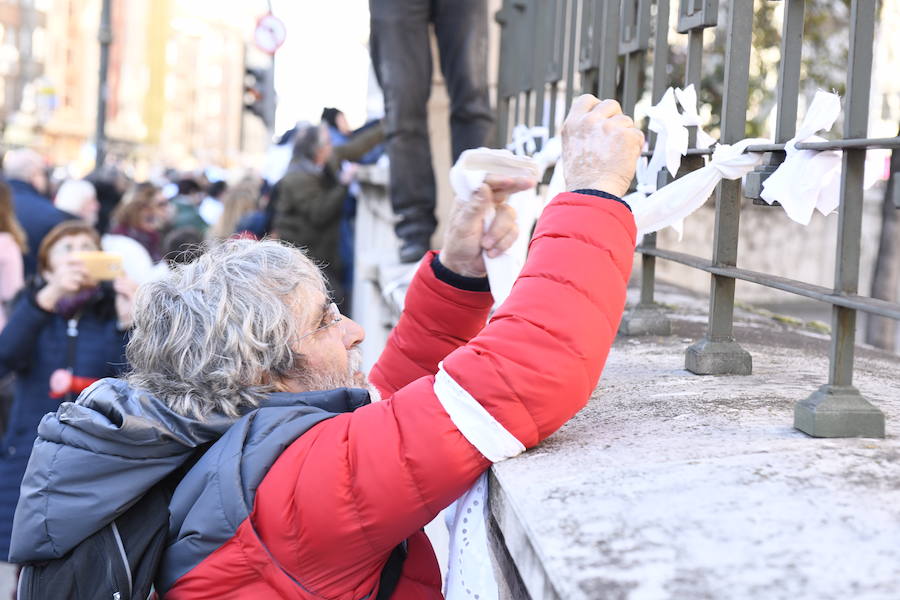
<point>461,282</point>
<point>599,194</point>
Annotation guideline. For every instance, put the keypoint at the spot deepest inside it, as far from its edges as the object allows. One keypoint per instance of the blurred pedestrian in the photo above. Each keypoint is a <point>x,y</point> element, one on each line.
<point>26,176</point>
<point>65,332</point>
<point>79,200</point>
<point>310,197</point>
<point>241,210</point>
<point>13,244</point>
<point>142,215</point>
<point>211,206</point>
<point>110,184</point>
<point>401,54</point>
<point>187,206</point>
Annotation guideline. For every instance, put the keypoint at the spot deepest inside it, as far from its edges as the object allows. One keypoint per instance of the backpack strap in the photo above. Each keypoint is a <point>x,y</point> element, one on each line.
<point>390,574</point>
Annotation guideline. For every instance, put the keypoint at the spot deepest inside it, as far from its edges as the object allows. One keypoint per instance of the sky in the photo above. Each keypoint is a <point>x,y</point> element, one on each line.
<point>324,60</point>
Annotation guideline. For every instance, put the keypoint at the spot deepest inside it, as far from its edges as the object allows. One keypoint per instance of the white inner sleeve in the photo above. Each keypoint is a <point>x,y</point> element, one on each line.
<point>475,423</point>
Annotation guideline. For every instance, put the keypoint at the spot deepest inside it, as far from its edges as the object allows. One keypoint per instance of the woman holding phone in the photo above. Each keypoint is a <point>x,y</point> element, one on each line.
<point>65,331</point>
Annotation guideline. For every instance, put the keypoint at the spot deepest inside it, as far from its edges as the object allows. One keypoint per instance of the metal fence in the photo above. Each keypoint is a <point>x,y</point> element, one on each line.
<point>550,47</point>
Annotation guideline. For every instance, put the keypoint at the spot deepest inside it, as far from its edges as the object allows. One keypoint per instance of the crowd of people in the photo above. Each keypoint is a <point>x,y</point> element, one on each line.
<point>63,326</point>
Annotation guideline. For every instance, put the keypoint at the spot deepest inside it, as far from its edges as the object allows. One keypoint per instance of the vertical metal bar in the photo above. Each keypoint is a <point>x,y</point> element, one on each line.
<point>856,120</point>
<point>728,197</point>
<point>572,54</point>
<point>507,54</point>
<point>660,63</point>
<point>633,45</point>
<point>609,48</point>
<point>788,92</point>
<point>554,71</point>
<point>692,73</point>
<point>660,50</point>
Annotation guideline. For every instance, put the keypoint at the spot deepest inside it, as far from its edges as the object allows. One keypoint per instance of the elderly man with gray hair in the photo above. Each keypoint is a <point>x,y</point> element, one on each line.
<point>23,169</point>
<point>309,486</point>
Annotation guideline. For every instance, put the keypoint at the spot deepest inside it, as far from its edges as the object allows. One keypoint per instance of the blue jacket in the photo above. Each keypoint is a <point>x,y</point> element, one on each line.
<point>37,215</point>
<point>33,345</point>
<point>95,457</point>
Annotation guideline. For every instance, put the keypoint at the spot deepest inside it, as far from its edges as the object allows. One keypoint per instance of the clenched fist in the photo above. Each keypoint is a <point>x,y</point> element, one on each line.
<point>600,146</point>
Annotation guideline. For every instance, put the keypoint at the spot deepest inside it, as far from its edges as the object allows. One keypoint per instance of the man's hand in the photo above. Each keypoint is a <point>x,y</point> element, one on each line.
<point>600,146</point>
<point>465,237</point>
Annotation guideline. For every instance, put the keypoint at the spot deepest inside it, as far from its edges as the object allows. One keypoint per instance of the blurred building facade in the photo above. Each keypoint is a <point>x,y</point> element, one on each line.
<point>175,81</point>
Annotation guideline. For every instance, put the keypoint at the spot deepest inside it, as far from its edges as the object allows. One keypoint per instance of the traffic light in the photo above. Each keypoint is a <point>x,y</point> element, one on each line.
<point>259,93</point>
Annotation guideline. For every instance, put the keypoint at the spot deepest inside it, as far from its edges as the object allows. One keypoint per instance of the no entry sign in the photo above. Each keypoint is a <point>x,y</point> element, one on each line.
<point>269,34</point>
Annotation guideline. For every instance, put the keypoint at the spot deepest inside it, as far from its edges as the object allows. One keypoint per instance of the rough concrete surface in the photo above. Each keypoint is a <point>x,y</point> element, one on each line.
<point>674,485</point>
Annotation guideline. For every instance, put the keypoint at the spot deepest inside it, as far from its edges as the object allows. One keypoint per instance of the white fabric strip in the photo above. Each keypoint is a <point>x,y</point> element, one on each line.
<point>475,423</point>
<point>808,180</point>
<point>683,196</point>
<point>467,175</point>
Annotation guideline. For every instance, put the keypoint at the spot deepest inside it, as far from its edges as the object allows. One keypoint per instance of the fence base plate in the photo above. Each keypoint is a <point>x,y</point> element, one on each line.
<point>838,411</point>
<point>645,319</point>
<point>708,357</point>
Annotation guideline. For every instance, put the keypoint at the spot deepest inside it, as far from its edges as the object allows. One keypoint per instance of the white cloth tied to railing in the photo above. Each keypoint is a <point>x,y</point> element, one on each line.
<point>524,139</point>
<point>675,201</point>
<point>672,137</point>
<point>808,180</point>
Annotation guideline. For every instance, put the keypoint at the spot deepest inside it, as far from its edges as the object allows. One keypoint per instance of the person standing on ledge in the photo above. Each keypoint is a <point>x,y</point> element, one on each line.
<point>401,54</point>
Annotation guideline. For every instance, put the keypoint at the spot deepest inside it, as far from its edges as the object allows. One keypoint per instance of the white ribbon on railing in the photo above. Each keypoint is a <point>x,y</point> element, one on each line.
<point>677,200</point>
<point>670,125</point>
<point>671,134</point>
<point>524,139</point>
<point>687,98</point>
<point>807,180</point>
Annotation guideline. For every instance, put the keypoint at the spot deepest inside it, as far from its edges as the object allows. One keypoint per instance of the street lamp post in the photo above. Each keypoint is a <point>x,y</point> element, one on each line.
<point>105,38</point>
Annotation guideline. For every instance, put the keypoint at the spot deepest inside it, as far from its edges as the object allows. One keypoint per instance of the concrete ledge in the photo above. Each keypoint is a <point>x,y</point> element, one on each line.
<point>673,485</point>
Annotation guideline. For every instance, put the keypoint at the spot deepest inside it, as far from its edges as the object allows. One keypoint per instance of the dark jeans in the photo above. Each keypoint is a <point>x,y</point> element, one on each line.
<point>401,54</point>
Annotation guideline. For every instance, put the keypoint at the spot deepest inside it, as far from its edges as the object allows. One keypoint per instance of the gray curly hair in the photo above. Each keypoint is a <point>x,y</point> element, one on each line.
<point>219,333</point>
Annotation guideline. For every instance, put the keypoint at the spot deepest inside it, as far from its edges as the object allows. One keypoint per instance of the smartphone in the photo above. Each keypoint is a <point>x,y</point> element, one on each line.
<point>101,266</point>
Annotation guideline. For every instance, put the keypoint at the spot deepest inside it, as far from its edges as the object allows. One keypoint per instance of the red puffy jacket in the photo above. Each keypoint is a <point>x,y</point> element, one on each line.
<point>340,498</point>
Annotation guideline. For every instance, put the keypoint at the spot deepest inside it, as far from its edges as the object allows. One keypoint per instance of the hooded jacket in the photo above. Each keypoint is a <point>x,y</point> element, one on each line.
<point>322,519</point>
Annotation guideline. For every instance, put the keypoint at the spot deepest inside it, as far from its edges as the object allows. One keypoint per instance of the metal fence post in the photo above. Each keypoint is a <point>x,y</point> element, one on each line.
<point>647,317</point>
<point>718,353</point>
<point>837,409</point>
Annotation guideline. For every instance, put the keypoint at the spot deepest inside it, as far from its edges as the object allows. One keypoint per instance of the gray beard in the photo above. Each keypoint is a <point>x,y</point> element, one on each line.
<point>353,377</point>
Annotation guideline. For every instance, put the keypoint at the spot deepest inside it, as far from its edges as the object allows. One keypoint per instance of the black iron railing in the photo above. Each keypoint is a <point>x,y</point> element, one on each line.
<point>549,47</point>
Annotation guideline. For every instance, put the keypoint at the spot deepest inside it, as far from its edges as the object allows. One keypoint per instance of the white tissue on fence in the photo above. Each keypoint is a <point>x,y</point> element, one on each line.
<point>674,202</point>
<point>467,175</point>
<point>524,139</point>
<point>672,139</point>
<point>671,134</point>
<point>808,180</point>
<point>687,98</point>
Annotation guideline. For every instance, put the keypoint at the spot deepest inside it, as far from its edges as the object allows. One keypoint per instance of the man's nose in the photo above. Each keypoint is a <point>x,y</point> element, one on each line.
<point>353,332</point>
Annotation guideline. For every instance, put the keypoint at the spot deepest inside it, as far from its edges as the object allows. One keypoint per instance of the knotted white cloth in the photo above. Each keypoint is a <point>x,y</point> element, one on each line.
<point>670,127</point>
<point>466,177</point>
<point>674,202</point>
<point>808,180</point>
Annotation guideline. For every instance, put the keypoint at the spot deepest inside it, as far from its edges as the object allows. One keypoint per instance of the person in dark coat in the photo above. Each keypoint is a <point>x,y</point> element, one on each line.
<point>310,197</point>
<point>65,332</point>
<point>24,172</point>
